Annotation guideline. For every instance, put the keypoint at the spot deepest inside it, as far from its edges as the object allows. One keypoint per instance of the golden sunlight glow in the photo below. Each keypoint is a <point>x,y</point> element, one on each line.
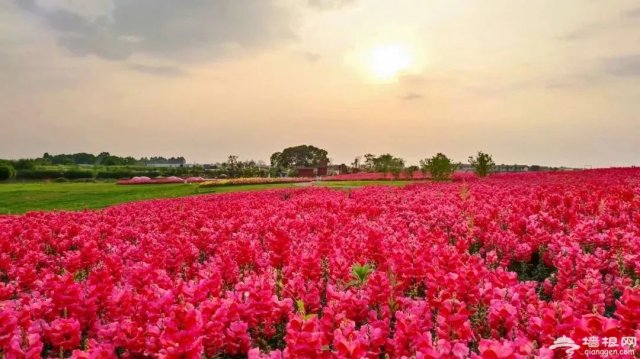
<point>388,60</point>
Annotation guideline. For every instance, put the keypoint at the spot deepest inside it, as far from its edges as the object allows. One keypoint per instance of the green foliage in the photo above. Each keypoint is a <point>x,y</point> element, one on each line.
<point>535,269</point>
<point>78,196</point>
<point>482,163</point>
<point>360,274</point>
<point>385,163</point>
<point>439,166</point>
<point>369,162</point>
<point>299,156</point>
<point>40,174</point>
<point>6,172</point>
<point>73,174</point>
<point>235,168</point>
<point>24,164</point>
<point>117,174</point>
<point>104,159</point>
<point>301,309</point>
<point>389,164</point>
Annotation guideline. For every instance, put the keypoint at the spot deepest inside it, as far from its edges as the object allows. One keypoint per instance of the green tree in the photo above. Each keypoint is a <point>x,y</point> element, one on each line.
<point>369,164</point>
<point>299,156</point>
<point>101,157</point>
<point>387,163</point>
<point>6,172</point>
<point>482,163</point>
<point>24,164</point>
<point>439,166</point>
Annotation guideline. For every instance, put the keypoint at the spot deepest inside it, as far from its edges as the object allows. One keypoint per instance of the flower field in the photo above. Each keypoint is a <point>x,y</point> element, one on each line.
<point>492,268</point>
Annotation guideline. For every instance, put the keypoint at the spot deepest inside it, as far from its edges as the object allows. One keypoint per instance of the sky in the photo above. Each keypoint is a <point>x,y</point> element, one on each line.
<point>532,82</point>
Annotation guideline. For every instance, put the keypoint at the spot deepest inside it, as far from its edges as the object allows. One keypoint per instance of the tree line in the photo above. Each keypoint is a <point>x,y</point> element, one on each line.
<point>440,167</point>
<point>102,159</point>
<point>86,166</point>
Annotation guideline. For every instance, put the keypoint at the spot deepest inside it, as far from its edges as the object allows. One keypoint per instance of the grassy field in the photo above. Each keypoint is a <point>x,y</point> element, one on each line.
<point>23,197</point>
<point>18,198</point>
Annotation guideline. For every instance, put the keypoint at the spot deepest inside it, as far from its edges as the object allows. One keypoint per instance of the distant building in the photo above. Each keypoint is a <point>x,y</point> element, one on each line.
<point>511,168</point>
<point>306,171</point>
<point>320,170</point>
<point>334,170</point>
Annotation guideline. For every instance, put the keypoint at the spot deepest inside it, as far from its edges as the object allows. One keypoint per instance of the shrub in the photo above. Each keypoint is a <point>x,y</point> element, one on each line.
<point>114,174</point>
<point>439,166</point>
<point>6,172</point>
<point>39,174</point>
<point>77,174</point>
<point>482,163</point>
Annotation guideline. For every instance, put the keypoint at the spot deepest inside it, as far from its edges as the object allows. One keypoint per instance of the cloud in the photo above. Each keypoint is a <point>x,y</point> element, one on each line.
<point>589,31</point>
<point>411,96</point>
<point>594,29</point>
<point>582,33</point>
<point>632,13</point>
<point>330,4</point>
<point>570,81</point>
<point>190,29</point>
<point>168,71</point>
<point>311,56</point>
<point>624,66</point>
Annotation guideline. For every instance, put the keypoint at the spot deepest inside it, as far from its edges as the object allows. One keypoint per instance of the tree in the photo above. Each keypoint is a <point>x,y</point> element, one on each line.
<point>6,172</point>
<point>439,166</point>
<point>24,164</point>
<point>83,158</point>
<point>299,156</point>
<point>482,163</point>
<point>356,164</point>
<point>101,157</point>
<point>369,164</point>
<point>387,163</point>
<point>231,166</point>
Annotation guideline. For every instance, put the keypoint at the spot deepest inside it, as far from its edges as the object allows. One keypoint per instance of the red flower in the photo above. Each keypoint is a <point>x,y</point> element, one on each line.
<point>64,333</point>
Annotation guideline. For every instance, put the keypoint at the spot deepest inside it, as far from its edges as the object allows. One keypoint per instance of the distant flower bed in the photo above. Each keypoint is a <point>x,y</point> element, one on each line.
<point>379,176</point>
<point>161,180</point>
<point>375,176</point>
<point>254,180</point>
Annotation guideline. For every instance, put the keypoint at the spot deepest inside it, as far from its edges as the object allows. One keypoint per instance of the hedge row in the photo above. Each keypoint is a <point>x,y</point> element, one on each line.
<point>120,173</point>
<point>81,174</point>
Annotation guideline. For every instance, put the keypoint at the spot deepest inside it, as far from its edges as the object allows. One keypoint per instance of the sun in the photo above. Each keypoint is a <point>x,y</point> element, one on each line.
<point>388,60</point>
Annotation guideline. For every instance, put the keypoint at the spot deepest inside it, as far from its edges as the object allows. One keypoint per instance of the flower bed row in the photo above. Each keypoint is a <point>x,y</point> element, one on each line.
<point>498,268</point>
<point>254,180</point>
<point>161,180</point>
<point>379,176</point>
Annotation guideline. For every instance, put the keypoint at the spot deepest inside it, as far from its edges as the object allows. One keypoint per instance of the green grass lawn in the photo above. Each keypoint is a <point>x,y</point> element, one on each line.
<point>18,198</point>
<point>23,197</point>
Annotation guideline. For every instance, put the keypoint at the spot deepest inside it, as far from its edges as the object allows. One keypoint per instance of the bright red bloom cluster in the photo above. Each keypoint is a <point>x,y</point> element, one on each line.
<point>494,268</point>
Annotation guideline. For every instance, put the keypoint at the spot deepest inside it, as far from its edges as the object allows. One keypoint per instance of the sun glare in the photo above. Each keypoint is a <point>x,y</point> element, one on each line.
<point>388,60</point>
